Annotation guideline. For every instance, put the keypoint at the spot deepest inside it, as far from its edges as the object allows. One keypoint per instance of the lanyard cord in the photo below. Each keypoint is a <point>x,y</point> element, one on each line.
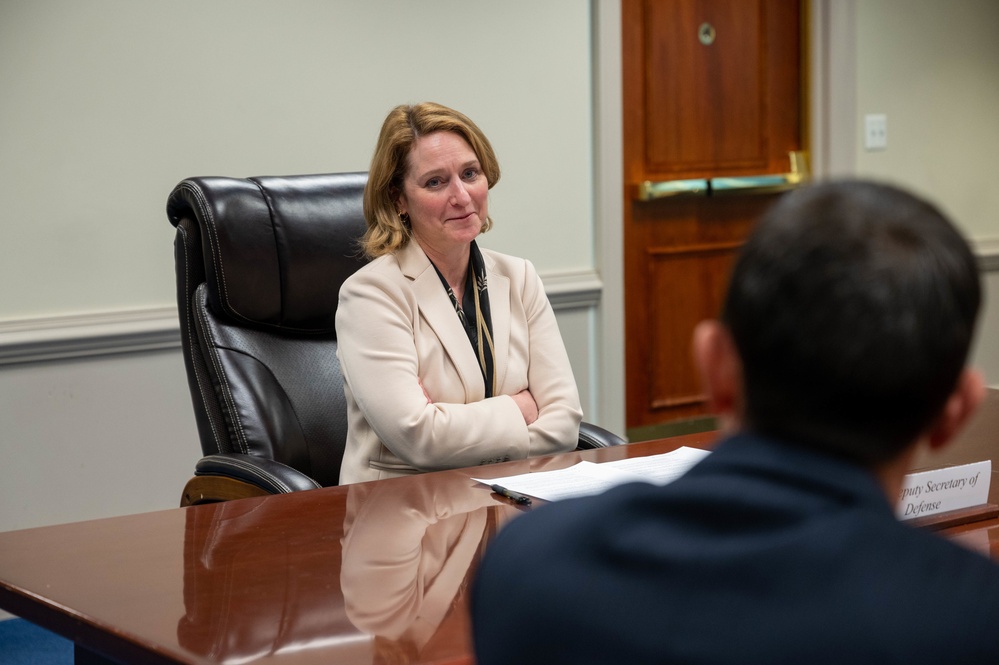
<point>480,330</point>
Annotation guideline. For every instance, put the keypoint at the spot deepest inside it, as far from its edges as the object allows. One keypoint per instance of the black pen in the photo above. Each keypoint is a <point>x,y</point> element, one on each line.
<point>522,499</point>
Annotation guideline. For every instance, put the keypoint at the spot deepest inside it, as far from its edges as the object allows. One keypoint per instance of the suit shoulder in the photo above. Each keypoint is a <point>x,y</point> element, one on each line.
<point>380,280</point>
<point>382,268</point>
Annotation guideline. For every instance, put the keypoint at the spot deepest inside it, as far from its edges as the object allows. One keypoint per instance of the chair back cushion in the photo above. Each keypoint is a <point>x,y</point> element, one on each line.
<point>274,246</point>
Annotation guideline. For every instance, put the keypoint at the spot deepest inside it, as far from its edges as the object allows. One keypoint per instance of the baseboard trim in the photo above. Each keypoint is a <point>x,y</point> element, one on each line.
<point>157,328</point>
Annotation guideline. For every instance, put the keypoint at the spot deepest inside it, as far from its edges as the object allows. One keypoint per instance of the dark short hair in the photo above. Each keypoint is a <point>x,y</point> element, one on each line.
<point>852,307</point>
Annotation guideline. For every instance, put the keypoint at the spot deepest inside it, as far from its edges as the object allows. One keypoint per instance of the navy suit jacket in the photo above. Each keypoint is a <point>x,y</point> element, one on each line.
<point>762,553</point>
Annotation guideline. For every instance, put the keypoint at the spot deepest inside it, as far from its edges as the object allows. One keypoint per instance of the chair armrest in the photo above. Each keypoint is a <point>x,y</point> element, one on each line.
<point>214,489</point>
<point>270,476</point>
<point>593,436</point>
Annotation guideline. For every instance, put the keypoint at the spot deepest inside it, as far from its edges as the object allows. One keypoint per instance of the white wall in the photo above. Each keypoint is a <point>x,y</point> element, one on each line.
<point>107,104</point>
<point>933,69</point>
<point>94,437</point>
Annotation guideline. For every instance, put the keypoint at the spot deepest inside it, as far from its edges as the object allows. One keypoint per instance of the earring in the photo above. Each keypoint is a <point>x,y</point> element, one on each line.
<point>404,218</point>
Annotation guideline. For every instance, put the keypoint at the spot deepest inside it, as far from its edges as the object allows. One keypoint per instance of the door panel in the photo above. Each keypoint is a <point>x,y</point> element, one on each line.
<point>711,89</point>
<point>703,267</point>
<point>715,122</point>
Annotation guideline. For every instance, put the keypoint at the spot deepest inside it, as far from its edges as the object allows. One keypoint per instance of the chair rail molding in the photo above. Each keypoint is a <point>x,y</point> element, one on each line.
<point>84,335</point>
<point>579,289</point>
<point>156,328</point>
<point>987,251</point>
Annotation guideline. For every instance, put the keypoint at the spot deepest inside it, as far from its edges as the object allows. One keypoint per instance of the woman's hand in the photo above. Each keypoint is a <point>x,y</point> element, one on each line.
<point>528,407</point>
<point>425,393</point>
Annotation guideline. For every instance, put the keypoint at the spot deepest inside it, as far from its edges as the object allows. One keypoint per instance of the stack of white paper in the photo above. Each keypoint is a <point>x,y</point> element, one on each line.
<point>588,478</point>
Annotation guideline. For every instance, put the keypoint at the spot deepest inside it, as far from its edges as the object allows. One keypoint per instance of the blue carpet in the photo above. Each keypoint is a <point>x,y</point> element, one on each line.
<point>24,643</point>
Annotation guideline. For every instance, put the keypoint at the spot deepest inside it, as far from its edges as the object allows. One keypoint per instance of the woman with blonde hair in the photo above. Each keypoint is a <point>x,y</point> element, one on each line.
<point>451,354</point>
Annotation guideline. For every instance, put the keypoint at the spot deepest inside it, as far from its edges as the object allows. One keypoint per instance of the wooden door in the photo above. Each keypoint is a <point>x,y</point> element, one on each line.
<point>712,97</point>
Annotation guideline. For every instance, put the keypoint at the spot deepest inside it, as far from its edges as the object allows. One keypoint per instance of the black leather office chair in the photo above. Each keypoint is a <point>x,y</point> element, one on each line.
<point>593,436</point>
<point>259,266</point>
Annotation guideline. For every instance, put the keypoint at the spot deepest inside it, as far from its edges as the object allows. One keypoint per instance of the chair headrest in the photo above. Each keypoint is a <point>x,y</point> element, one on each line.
<point>276,249</point>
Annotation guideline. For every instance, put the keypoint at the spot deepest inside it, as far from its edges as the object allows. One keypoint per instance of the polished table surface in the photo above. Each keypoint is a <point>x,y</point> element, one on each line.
<point>367,573</point>
<point>370,573</point>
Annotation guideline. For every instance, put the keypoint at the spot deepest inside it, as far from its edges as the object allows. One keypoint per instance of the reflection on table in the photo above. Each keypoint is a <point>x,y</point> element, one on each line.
<point>260,581</point>
<point>409,553</point>
<point>375,576</point>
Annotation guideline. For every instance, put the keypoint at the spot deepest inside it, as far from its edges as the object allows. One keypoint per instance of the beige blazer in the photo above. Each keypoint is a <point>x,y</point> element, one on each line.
<point>397,329</point>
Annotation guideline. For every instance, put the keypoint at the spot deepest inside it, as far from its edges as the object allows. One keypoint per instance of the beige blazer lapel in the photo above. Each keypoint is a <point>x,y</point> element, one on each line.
<point>438,311</point>
<point>499,304</point>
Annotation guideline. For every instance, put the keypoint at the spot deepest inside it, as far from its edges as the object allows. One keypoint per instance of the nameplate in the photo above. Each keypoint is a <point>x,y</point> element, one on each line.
<point>942,490</point>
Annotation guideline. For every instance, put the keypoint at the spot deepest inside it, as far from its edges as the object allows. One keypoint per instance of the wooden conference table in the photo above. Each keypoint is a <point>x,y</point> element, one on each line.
<point>371,573</point>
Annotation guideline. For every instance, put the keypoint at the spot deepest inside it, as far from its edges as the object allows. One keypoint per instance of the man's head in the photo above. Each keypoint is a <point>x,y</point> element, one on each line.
<point>851,311</point>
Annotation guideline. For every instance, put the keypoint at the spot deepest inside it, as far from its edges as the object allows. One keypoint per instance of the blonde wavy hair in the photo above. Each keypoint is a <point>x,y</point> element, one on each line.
<point>404,125</point>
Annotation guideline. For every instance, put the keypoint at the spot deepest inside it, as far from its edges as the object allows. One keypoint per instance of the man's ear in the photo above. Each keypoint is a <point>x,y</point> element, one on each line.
<point>720,369</point>
<point>963,401</point>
